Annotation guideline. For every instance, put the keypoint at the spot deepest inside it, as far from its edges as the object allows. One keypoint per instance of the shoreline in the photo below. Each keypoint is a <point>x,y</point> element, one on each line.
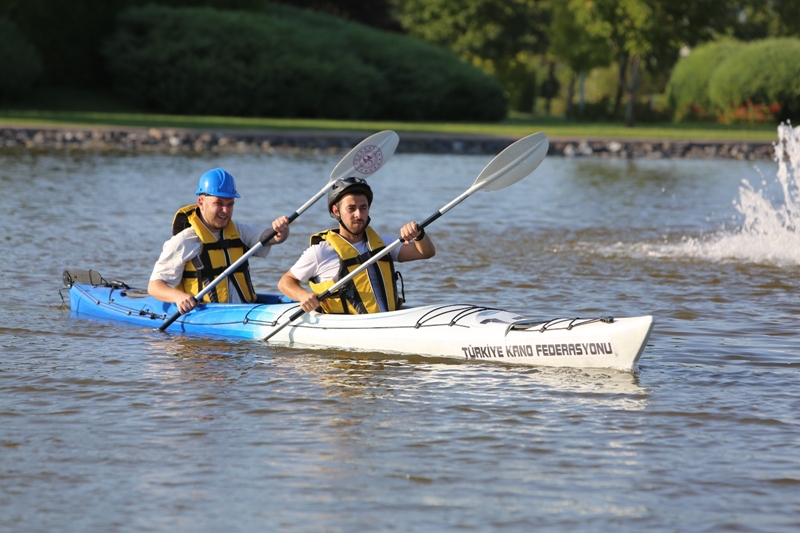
<point>172,140</point>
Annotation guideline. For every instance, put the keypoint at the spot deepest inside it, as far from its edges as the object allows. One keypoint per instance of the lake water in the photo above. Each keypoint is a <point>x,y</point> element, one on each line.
<point>112,428</point>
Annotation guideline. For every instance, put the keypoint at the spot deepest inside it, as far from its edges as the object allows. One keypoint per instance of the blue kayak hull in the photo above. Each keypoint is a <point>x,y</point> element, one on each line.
<point>242,321</point>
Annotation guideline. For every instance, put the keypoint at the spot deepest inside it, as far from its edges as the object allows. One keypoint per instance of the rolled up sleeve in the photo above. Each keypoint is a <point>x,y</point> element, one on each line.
<point>177,251</point>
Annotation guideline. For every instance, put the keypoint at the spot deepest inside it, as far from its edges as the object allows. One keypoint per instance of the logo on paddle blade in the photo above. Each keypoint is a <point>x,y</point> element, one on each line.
<point>368,159</point>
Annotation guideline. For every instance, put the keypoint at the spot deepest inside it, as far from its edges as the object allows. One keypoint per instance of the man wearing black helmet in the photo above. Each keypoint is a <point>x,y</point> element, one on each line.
<point>335,253</point>
<point>205,242</point>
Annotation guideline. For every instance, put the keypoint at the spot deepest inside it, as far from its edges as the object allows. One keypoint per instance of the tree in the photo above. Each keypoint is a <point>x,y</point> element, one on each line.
<point>20,65</point>
<point>375,13</point>
<point>500,36</point>
<point>550,86</point>
<point>788,13</point>
<point>646,33</point>
<point>750,20</point>
<point>579,50</point>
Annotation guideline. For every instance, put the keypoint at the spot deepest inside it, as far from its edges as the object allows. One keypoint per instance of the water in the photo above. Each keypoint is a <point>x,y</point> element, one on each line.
<point>111,428</point>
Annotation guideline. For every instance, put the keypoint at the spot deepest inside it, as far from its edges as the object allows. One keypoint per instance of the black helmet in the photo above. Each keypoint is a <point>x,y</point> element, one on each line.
<point>348,186</point>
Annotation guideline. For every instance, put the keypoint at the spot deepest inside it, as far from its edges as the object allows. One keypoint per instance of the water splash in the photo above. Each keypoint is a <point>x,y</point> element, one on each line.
<point>769,230</point>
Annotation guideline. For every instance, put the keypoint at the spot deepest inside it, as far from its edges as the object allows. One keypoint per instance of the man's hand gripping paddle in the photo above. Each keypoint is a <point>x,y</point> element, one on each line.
<point>362,161</point>
<point>508,167</point>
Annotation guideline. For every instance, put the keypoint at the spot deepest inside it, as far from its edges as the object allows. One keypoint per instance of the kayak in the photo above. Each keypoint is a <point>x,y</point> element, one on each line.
<point>459,331</point>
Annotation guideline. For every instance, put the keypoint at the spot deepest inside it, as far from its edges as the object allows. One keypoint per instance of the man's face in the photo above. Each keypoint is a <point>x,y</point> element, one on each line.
<point>216,211</point>
<point>353,209</point>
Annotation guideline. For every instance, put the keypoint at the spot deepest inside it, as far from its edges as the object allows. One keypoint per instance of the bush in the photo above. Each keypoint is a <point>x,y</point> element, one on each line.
<point>67,34</point>
<point>285,62</point>
<point>751,113</point>
<point>687,90</point>
<point>765,73</point>
<point>599,111</point>
<point>20,65</point>
<point>650,112</point>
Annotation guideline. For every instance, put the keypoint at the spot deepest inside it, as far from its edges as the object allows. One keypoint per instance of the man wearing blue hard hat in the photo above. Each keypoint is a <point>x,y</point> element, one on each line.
<point>205,241</point>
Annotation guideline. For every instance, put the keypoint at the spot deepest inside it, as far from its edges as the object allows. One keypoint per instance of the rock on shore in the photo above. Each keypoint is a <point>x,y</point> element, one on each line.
<point>177,141</point>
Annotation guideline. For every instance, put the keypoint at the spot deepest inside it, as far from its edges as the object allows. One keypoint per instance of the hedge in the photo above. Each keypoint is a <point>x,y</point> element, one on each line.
<point>687,89</point>
<point>68,33</point>
<point>20,65</point>
<point>286,62</point>
<point>761,73</point>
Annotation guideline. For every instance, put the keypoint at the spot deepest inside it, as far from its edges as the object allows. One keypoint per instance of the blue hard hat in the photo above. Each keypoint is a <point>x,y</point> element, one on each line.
<point>217,182</point>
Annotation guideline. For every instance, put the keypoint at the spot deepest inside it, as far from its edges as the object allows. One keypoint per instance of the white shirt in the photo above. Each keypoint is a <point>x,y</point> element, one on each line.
<point>186,245</point>
<point>321,263</point>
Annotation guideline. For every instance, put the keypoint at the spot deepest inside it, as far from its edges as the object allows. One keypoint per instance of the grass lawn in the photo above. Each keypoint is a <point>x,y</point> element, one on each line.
<point>70,107</point>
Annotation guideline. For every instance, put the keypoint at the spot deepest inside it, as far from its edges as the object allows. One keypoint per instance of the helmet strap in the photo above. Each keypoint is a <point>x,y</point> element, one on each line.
<point>358,235</point>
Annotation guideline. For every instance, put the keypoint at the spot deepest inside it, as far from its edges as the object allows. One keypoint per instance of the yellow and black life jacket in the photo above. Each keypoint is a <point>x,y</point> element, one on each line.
<point>214,257</point>
<point>358,295</point>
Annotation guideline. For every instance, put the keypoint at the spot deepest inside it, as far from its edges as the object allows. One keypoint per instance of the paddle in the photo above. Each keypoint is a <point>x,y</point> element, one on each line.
<point>362,161</point>
<point>508,167</point>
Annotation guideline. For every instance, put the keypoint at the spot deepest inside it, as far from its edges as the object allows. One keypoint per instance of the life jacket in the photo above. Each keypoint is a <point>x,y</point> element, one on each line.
<point>214,257</point>
<point>358,295</point>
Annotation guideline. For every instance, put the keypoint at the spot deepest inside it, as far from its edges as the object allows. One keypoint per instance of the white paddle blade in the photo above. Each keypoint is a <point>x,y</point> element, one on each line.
<point>514,163</point>
<point>367,157</point>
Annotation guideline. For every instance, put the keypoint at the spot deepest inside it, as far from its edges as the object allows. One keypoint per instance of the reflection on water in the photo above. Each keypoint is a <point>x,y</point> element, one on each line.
<point>376,375</point>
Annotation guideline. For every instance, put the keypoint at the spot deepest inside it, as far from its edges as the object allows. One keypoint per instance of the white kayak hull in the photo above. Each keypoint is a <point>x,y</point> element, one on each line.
<point>478,333</point>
